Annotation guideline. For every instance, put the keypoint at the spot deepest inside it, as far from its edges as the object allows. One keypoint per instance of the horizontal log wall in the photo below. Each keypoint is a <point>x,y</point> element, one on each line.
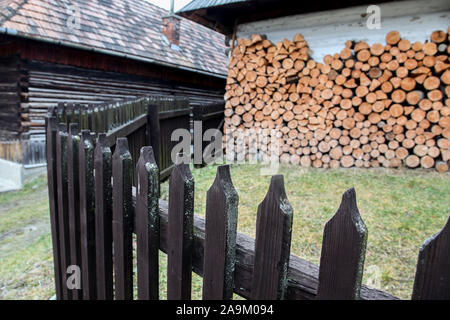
<point>49,84</point>
<point>9,97</point>
<point>43,85</point>
<point>385,104</point>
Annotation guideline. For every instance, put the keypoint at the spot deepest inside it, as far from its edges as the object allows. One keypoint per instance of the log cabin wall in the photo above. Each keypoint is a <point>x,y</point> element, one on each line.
<point>378,98</point>
<point>46,74</point>
<point>9,108</point>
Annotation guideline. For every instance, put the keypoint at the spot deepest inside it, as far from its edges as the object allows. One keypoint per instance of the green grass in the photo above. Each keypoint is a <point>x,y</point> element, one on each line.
<point>401,208</point>
<point>26,260</point>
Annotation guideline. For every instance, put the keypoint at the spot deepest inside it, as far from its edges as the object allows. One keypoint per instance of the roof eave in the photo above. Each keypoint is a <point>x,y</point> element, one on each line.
<point>12,32</point>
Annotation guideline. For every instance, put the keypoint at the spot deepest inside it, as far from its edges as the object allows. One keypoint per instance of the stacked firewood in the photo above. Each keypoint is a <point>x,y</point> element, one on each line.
<point>367,106</point>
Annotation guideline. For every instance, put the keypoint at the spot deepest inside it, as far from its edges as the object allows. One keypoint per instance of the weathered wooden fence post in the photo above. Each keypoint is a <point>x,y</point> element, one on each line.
<point>63,205</point>
<point>432,279</point>
<point>74,199</point>
<point>147,225</point>
<point>180,229</point>
<point>103,219</point>
<point>220,237</point>
<point>51,133</point>
<point>272,244</point>
<point>122,221</point>
<point>343,252</point>
<point>87,216</point>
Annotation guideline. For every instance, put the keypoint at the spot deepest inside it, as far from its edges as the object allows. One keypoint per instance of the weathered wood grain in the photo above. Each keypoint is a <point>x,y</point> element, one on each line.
<point>52,194</point>
<point>147,226</point>
<point>343,252</point>
<point>103,219</point>
<point>74,199</point>
<point>122,223</point>
<point>63,205</point>
<point>432,281</point>
<point>87,216</point>
<point>180,227</point>
<point>220,237</point>
<point>272,244</point>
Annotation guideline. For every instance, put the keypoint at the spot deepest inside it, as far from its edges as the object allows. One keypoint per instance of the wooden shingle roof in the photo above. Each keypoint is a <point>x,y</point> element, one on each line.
<point>125,27</point>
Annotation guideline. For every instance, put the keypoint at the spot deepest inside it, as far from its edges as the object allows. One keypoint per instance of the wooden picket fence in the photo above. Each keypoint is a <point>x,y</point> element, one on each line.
<point>95,210</point>
<point>143,121</point>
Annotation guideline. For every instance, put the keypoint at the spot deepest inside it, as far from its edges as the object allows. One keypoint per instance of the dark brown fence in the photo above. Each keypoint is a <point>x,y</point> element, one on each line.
<point>143,121</point>
<point>93,218</point>
<point>205,117</point>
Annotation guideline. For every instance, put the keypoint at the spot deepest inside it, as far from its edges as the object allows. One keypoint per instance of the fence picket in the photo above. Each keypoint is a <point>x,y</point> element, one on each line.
<point>52,194</point>
<point>63,204</point>
<point>147,225</point>
<point>432,279</point>
<point>153,130</point>
<point>220,237</point>
<point>273,243</point>
<point>343,252</point>
<point>180,243</point>
<point>122,221</point>
<point>103,218</point>
<point>73,143</point>
<point>87,215</point>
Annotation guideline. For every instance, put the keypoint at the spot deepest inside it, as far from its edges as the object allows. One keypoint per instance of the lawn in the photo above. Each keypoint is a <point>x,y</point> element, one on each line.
<point>401,208</point>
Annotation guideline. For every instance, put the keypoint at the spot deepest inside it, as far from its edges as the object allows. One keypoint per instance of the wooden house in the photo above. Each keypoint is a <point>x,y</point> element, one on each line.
<point>89,52</point>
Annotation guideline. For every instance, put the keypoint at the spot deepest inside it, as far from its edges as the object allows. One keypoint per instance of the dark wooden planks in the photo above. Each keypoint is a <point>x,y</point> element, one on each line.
<point>180,228</point>
<point>147,226</point>
<point>220,237</point>
<point>432,281</point>
<point>103,219</point>
<point>272,244</point>
<point>211,116</point>
<point>122,221</point>
<point>87,216</point>
<point>343,252</point>
<point>302,275</point>
<point>154,131</point>
<point>63,205</point>
<point>53,203</point>
<point>74,200</point>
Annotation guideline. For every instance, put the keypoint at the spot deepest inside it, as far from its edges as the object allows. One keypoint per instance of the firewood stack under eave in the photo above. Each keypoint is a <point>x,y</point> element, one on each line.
<point>368,106</point>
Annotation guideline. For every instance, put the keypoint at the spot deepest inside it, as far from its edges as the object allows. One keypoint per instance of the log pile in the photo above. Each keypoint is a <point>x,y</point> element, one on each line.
<point>367,106</point>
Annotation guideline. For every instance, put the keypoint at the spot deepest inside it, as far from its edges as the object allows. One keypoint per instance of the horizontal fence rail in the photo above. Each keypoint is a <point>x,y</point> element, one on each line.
<point>112,210</point>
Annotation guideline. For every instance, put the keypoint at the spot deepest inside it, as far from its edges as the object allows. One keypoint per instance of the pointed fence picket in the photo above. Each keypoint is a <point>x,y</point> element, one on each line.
<point>220,237</point>
<point>122,223</point>
<point>87,216</point>
<point>63,205</point>
<point>108,214</point>
<point>147,225</point>
<point>103,218</point>
<point>73,145</point>
<point>181,229</point>
<point>432,279</point>
<point>272,244</point>
<point>51,132</point>
<point>343,252</point>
